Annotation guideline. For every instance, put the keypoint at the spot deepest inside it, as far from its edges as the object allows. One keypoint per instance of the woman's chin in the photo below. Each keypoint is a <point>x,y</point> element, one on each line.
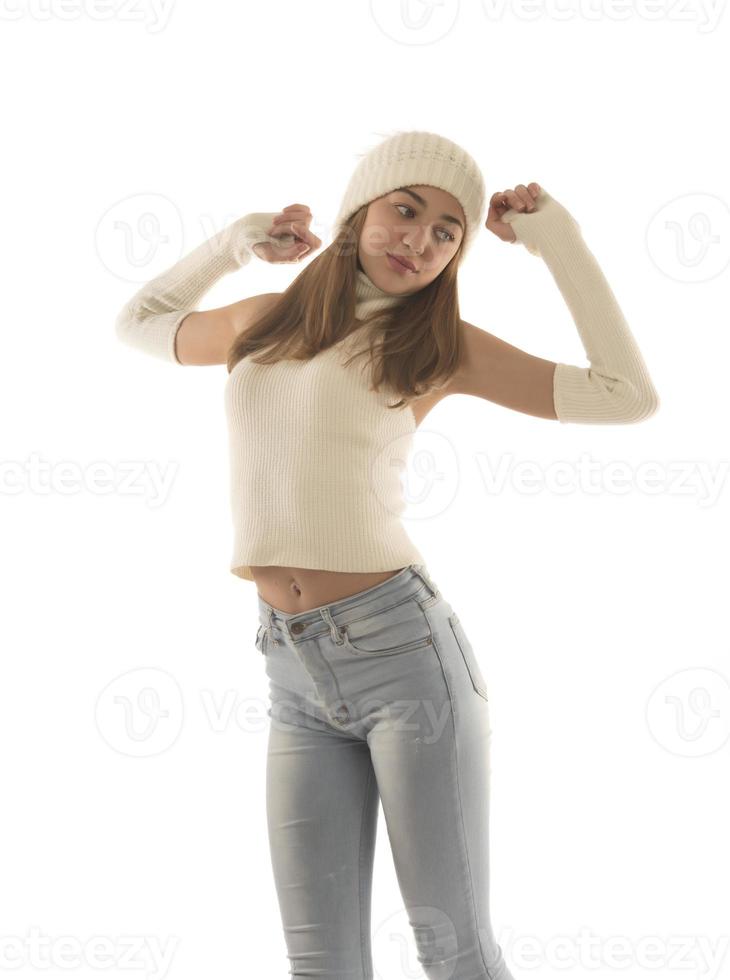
<point>389,281</point>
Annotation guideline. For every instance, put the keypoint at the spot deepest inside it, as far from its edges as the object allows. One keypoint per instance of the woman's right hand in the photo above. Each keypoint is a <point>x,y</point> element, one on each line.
<point>521,199</point>
<point>293,220</point>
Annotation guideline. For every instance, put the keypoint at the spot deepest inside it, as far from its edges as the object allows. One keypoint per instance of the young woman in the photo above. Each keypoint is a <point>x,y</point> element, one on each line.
<point>376,693</point>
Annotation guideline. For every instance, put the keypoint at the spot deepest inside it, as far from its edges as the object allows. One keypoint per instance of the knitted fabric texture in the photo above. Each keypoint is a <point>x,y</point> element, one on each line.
<point>150,320</point>
<point>616,388</point>
<point>315,455</point>
<point>316,459</point>
<point>411,158</point>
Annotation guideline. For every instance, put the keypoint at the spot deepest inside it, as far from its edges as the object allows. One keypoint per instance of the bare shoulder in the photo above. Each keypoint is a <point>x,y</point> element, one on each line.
<point>422,405</point>
<point>455,384</point>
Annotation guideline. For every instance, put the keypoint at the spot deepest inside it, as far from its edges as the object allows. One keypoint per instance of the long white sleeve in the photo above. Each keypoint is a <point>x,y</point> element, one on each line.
<point>150,320</point>
<point>616,388</point>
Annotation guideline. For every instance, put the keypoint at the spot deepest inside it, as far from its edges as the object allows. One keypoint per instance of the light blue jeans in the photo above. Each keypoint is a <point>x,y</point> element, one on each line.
<point>379,696</point>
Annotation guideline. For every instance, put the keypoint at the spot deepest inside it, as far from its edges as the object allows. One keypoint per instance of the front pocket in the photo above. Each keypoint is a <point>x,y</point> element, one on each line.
<point>472,665</point>
<point>260,639</point>
<point>397,630</point>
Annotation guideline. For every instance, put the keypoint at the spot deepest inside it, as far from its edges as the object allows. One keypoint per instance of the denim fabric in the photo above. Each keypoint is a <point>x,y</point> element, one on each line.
<point>379,697</point>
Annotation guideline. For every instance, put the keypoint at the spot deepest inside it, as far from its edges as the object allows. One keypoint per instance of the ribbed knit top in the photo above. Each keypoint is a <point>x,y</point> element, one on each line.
<point>316,456</point>
<point>316,459</point>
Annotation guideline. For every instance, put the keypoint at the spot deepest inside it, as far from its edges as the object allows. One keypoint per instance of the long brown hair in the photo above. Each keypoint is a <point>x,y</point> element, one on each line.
<point>418,347</point>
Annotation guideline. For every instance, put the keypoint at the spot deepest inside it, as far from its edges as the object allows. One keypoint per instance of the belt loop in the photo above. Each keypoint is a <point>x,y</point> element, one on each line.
<point>270,627</point>
<point>327,617</point>
<point>420,570</point>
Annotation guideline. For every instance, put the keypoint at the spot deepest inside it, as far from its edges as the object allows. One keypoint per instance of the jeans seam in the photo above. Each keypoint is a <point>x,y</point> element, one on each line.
<point>489,973</point>
<point>479,686</point>
<point>468,866</point>
<point>409,647</point>
<point>364,927</point>
<point>380,610</point>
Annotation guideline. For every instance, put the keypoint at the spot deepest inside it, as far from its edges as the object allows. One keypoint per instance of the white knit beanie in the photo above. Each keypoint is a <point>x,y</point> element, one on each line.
<point>416,157</point>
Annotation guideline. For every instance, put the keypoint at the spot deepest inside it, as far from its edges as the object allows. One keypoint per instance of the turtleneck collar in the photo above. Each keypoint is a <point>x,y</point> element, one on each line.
<point>369,297</point>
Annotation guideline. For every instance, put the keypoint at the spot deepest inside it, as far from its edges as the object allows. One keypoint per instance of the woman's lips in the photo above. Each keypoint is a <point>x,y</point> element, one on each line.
<point>395,264</point>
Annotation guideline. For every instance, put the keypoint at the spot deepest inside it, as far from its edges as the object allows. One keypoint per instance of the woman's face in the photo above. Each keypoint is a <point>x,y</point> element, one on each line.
<point>420,223</point>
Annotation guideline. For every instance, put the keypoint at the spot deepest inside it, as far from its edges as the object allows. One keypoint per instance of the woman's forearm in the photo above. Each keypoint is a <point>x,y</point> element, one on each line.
<point>616,388</point>
<point>150,320</point>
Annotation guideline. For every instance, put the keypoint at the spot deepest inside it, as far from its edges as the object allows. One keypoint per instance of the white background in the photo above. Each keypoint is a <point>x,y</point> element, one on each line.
<point>132,133</point>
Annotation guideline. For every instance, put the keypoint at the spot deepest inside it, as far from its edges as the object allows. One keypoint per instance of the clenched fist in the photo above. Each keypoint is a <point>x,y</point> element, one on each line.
<point>291,225</point>
<point>522,198</point>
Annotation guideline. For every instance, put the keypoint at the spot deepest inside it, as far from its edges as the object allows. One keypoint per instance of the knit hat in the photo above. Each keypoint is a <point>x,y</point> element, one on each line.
<point>415,157</point>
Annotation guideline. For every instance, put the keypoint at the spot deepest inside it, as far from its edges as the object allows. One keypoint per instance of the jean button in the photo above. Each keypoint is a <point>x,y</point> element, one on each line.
<point>297,627</point>
<point>341,713</point>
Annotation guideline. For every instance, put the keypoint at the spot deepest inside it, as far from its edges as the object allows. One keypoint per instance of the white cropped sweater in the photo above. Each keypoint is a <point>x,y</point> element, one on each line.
<point>315,456</point>
<point>317,459</point>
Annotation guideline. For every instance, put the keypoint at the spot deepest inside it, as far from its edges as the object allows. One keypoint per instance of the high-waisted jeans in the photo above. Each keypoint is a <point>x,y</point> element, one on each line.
<point>379,696</point>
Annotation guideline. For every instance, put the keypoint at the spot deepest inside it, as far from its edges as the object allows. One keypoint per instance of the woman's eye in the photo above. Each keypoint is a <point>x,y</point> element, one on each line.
<point>449,236</point>
<point>405,206</point>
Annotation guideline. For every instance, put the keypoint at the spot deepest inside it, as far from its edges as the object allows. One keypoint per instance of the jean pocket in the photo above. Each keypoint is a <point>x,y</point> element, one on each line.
<point>467,653</point>
<point>400,629</point>
<point>260,641</point>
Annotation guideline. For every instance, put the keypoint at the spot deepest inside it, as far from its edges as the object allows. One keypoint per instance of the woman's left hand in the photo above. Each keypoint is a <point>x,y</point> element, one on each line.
<point>522,198</point>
